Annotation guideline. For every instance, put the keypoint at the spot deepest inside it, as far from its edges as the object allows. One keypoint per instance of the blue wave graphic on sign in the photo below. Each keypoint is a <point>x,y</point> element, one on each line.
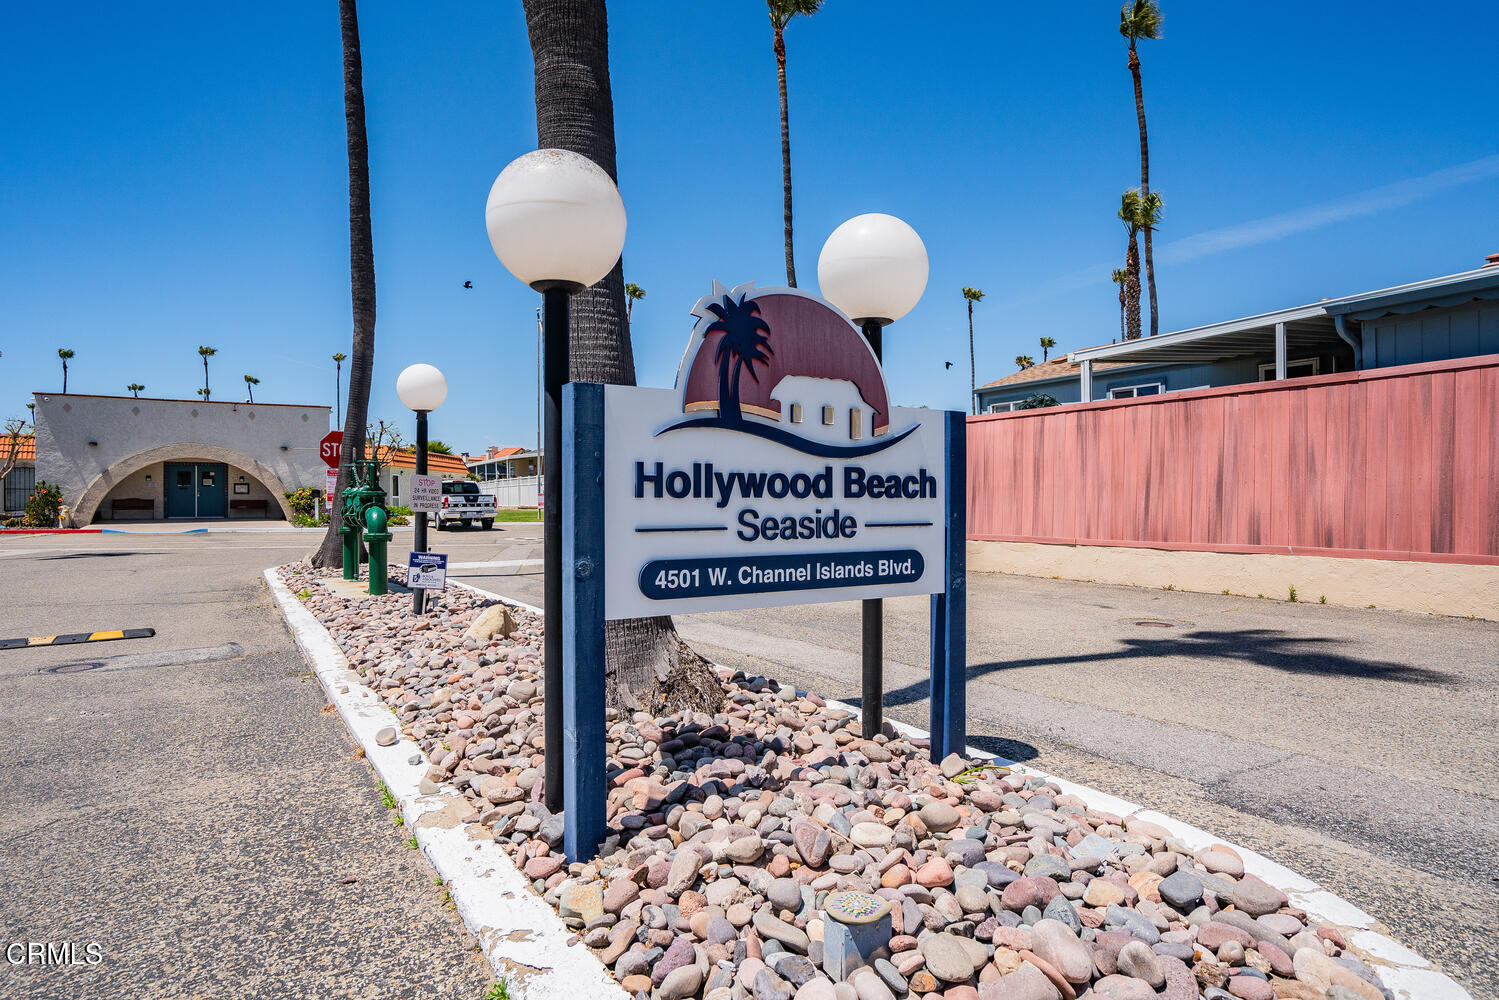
<point>807,446</point>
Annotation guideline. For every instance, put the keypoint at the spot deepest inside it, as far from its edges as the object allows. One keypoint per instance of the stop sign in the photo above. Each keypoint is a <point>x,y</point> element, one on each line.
<point>331,448</point>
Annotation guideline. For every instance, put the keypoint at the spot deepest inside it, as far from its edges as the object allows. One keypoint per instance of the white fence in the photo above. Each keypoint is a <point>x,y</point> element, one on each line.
<point>518,492</point>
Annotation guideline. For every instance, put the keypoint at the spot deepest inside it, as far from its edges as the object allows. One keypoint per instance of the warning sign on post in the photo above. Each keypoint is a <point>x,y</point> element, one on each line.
<point>426,494</point>
<point>331,486</point>
<point>427,571</point>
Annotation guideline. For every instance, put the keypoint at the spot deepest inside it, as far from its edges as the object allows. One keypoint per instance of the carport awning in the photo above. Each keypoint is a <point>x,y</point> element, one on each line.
<point>1307,328</point>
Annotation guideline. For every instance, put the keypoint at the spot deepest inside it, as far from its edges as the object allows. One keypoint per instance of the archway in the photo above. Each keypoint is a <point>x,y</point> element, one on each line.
<point>93,495</point>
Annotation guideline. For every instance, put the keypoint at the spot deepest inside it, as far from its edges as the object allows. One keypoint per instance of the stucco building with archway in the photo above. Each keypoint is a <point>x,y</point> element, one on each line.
<point>123,458</point>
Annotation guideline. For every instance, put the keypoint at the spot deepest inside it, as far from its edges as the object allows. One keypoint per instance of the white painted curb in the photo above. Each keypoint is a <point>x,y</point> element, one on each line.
<point>523,938</point>
<point>1407,974</point>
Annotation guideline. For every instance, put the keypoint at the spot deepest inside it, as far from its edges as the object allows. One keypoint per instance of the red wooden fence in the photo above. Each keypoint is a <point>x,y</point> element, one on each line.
<point>1393,463</point>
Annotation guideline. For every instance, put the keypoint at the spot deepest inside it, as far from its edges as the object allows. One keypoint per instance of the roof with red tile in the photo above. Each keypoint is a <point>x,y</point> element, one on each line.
<point>438,464</point>
<point>27,451</point>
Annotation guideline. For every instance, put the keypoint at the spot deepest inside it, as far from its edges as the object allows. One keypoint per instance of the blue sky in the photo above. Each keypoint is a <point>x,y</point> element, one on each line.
<point>174,174</point>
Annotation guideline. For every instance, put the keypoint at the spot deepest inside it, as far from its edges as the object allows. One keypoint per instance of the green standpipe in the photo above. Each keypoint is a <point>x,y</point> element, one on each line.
<point>350,532</point>
<point>376,537</point>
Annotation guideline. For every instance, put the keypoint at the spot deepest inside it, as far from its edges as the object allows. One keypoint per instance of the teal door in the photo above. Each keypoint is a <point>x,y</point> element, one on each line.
<point>213,483</point>
<point>195,489</point>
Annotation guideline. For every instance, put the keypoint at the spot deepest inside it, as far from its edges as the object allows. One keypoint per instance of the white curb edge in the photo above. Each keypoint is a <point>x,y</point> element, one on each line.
<point>523,938</point>
<point>542,948</point>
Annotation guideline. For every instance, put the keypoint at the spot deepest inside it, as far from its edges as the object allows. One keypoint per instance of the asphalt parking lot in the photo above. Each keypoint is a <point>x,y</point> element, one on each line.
<point>181,802</point>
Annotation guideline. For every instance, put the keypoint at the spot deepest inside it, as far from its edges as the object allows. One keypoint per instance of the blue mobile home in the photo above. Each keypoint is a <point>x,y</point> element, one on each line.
<point>1438,319</point>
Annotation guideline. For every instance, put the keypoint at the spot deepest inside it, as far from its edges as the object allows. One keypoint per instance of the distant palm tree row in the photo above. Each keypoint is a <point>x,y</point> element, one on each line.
<point>1140,208</point>
<point>136,388</point>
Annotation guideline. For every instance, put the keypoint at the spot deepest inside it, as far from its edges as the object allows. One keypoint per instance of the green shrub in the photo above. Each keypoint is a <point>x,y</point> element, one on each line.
<point>43,506</point>
<point>399,511</point>
<point>303,501</point>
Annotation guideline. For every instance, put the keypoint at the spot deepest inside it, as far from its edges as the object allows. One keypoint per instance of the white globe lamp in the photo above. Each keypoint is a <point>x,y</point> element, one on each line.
<point>555,220</point>
<point>874,268</point>
<point>422,388</point>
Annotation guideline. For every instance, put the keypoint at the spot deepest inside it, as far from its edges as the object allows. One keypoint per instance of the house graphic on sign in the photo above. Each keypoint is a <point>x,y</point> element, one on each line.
<point>828,409</point>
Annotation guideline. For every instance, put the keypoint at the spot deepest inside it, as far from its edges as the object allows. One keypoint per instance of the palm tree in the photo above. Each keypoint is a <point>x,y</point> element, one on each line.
<point>646,663</point>
<point>1120,276</point>
<point>338,386</point>
<point>743,343</point>
<point>781,13</point>
<point>206,352</point>
<point>1047,343</point>
<point>1139,20</point>
<point>204,393</point>
<point>65,354</point>
<point>135,389</point>
<point>1024,361</point>
<point>361,271</point>
<point>632,292</point>
<point>1129,214</point>
<point>250,383</point>
<point>1137,213</point>
<point>972,295</point>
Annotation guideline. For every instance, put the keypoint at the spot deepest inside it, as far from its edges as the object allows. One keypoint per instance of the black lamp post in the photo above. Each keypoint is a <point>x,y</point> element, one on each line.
<point>557,223</point>
<point>874,268</point>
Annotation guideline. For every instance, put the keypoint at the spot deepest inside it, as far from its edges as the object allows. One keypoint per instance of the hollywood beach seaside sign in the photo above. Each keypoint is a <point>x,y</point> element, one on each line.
<point>776,472</point>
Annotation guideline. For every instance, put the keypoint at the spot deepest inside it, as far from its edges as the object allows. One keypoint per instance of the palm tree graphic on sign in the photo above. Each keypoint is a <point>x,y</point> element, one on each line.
<point>744,343</point>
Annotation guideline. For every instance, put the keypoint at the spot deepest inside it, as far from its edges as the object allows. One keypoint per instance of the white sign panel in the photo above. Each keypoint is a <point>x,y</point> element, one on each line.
<point>426,494</point>
<point>330,485</point>
<point>775,473</point>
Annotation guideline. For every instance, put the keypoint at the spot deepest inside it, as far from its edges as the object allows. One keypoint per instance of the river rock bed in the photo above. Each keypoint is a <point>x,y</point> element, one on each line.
<point>735,837</point>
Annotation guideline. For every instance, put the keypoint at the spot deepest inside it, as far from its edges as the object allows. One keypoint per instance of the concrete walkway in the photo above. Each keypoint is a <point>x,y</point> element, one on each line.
<point>182,800</point>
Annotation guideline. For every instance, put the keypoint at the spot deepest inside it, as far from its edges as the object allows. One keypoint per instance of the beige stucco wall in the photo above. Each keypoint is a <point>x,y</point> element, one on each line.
<point>1440,588</point>
<point>90,445</point>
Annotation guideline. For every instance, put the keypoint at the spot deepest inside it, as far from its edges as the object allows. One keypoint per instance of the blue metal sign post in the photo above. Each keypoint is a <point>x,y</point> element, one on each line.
<point>949,708</point>
<point>583,786</point>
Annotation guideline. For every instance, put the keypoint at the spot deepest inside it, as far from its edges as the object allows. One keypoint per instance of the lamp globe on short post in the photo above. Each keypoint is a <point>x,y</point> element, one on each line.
<point>874,268</point>
<point>422,388</point>
<point>556,221</point>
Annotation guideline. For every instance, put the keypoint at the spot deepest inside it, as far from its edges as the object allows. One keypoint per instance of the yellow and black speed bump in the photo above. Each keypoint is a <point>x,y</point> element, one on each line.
<point>69,639</point>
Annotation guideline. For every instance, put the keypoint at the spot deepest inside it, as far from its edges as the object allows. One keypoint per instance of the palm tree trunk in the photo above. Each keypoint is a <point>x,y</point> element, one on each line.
<point>64,378</point>
<point>647,666</point>
<point>1134,69</point>
<point>780,47</point>
<point>1132,290</point>
<point>361,275</point>
<point>973,404</point>
<point>1121,312</point>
